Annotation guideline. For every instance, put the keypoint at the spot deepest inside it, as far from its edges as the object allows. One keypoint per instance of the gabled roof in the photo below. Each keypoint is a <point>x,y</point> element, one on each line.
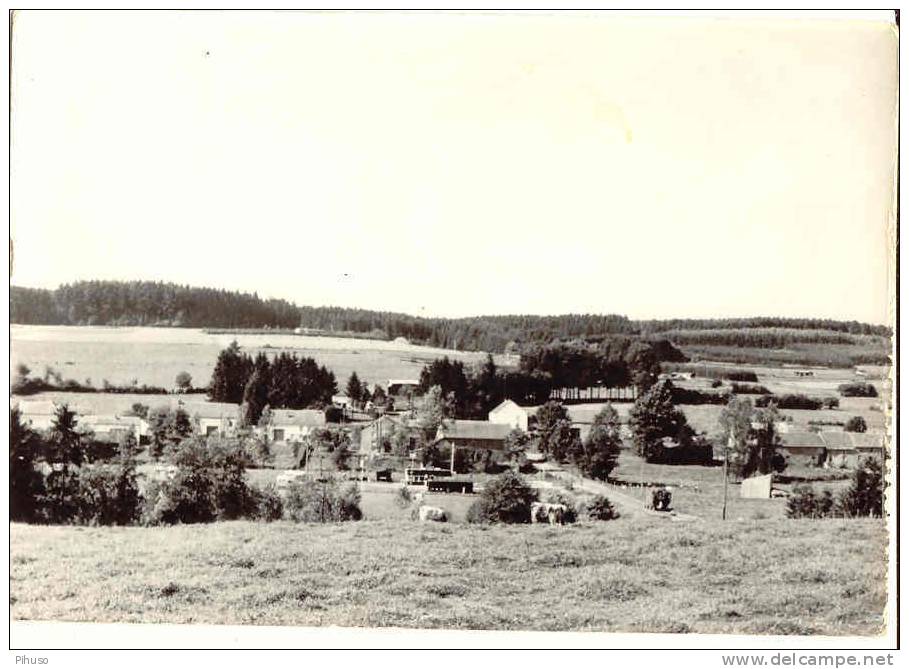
<point>297,417</point>
<point>801,440</point>
<point>867,440</point>
<point>837,441</point>
<point>473,429</point>
<point>209,409</point>
<point>508,404</point>
<point>111,421</point>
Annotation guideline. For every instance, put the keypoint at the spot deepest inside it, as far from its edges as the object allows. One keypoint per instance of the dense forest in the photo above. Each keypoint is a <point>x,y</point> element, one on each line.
<point>166,304</point>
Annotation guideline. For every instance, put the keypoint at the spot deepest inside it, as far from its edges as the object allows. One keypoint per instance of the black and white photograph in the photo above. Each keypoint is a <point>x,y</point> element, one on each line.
<point>453,322</point>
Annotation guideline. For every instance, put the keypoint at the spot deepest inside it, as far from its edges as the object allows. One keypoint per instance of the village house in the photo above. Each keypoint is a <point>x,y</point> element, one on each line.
<point>396,387</point>
<point>113,428</point>
<point>804,448</point>
<point>869,444</point>
<point>512,414</point>
<point>840,449</point>
<point>293,424</point>
<point>478,434</point>
<point>212,418</point>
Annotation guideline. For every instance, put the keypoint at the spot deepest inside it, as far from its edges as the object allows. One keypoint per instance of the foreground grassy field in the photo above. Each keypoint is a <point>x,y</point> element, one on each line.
<point>771,577</point>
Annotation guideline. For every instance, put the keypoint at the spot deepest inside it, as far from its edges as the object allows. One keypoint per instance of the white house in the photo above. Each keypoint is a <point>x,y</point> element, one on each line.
<point>111,428</point>
<point>397,386</point>
<point>511,413</point>
<point>293,424</point>
<point>213,418</point>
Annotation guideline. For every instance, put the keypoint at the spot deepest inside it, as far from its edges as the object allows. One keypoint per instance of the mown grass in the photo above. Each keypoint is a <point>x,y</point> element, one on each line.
<point>772,577</point>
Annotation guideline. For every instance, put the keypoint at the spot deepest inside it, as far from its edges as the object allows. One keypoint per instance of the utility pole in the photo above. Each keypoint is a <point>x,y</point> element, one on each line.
<point>729,444</point>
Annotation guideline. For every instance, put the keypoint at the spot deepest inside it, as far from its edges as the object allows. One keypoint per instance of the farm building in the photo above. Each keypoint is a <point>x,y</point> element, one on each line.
<point>805,448</point>
<point>474,434</point>
<point>512,414</point>
<point>342,401</point>
<point>112,428</point>
<point>399,386</point>
<point>840,449</point>
<point>376,436</point>
<point>293,424</point>
<point>37,414</point>
<point>869,443</point>
<point>212,418</point>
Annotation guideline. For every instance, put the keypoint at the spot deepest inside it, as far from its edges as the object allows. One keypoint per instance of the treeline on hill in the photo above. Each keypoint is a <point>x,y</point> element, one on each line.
<point>851,327</point>
<point>156,303</point>
<point>147,303</point>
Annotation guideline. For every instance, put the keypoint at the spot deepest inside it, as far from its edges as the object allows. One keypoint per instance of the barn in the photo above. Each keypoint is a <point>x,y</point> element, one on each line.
<point>478,434</point>
<point>804,448</point>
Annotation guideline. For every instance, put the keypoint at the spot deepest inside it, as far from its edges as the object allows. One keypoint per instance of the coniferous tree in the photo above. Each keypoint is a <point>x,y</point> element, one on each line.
<point>26,485</point>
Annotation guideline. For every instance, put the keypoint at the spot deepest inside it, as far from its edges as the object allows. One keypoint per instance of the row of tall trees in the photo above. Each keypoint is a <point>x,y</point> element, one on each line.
<point>286,382</point>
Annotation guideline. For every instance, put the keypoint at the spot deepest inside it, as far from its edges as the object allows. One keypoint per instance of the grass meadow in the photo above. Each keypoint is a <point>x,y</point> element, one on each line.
<point>771,577</point>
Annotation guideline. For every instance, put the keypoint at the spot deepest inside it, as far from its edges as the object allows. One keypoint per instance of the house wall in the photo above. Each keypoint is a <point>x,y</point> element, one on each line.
<point>510,415</point>
<point>809,456</point>
<point>291,432</point>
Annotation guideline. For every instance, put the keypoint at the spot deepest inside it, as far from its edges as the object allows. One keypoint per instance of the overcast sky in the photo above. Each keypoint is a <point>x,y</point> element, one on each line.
<point>444,164</point>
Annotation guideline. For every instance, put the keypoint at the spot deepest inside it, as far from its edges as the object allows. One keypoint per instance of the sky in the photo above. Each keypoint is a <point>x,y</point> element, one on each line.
<point>447,164</point>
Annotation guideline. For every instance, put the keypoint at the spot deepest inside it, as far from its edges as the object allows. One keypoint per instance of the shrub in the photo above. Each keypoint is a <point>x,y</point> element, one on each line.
<point>210,483</point>
<point>109,496</point>
<point>61,502</point>
<point>716,383</point>
<point>267,504</point>
<point>571,513</point>
<point>741,375</point>
<point>600,508</point>
<point>322,502</point>
<point>865,495</point>
<point>857,390</point>
<point>830,403</point>
<point>805,503</point>
<point>790,401</point>
<point>749,389</point>
<point>505,499</point>
<point>856,424</point>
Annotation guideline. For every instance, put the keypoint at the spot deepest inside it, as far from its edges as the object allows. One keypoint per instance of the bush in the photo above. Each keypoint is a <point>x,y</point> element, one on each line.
<point>749,389</point>
<point>109,496</point>
<point>505,499</point>
<point>266,504</point>
<point>600,508</point>
<point>856,424</point>
<point>805,503</point>
<point>322,502</point>
<point>716,383</point>
<point>741,375</point>
<point>571,513</point>
<point>790,401</point>
<point>830,403</point>
<point>210,484</point>
<point>865,495</point>
<point>62,499</point>
<point>857,390</point>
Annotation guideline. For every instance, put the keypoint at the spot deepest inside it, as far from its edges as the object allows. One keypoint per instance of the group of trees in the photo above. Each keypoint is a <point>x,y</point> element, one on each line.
<point>661,432</point>
<point>750,434</point>
<point>285,382</point>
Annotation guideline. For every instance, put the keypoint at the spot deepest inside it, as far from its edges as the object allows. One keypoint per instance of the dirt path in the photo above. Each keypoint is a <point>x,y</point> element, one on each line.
<point>627,504</point>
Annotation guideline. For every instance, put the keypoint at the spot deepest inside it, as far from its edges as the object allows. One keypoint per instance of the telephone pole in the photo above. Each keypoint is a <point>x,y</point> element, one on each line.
<point>726,468</point>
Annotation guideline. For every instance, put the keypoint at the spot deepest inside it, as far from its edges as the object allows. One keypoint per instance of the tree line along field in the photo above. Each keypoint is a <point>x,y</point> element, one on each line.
<point>773,577</point>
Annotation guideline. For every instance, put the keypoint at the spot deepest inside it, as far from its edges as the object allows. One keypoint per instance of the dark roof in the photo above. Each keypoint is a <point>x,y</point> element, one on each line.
<point>473,429</point>
<point>801,440</point>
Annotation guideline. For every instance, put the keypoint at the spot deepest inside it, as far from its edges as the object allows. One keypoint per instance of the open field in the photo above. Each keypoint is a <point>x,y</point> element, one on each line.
<point>154,356</point>
<point>772,577</point>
